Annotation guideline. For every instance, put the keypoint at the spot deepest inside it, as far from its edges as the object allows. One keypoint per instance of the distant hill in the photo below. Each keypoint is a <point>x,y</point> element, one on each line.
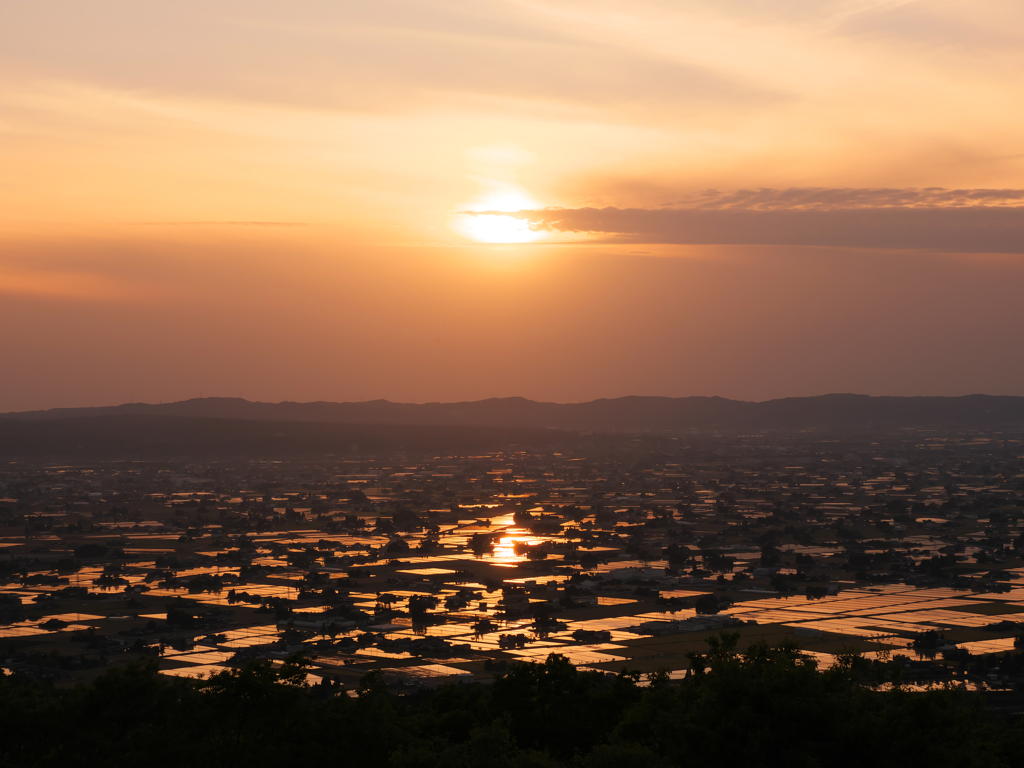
<point>624,414</point>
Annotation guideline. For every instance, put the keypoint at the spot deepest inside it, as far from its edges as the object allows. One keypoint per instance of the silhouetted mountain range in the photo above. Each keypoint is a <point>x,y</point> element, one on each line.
<point>624,414</point>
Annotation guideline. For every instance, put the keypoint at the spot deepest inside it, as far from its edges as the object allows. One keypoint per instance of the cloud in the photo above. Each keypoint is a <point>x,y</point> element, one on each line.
<point>225,223</point>
<point>66,285</point>
<point>952,220</point>
<point>824,198</point>
<point>348,55</point>
<point>948,27</point>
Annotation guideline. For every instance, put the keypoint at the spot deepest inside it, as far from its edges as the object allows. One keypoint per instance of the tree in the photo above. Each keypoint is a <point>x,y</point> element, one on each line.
<point>707,604</point>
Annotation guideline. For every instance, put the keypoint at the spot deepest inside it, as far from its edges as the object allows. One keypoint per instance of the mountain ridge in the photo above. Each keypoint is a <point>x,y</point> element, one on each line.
<point>623,414</point>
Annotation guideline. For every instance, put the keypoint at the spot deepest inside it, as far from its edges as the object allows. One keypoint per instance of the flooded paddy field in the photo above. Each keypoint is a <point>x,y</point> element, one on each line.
<point>439,569</point>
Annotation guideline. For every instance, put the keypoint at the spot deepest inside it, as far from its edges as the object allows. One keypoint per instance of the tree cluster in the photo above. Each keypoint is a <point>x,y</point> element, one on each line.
<point>763,708</point>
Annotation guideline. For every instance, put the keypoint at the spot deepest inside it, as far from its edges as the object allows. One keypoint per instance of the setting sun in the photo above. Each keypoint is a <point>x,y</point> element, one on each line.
<point>494,228</point>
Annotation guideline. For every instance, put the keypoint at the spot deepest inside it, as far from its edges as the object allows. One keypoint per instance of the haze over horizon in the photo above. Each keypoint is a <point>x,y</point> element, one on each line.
<point>214,400</point>
<point>430,200</point>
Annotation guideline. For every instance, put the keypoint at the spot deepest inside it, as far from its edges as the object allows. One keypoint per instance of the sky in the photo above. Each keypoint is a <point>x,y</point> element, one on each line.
<point>561,200</point>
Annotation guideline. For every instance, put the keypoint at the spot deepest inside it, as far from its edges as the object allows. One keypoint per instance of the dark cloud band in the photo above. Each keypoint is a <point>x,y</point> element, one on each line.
<point>975,229</point>
<point>831,198</point>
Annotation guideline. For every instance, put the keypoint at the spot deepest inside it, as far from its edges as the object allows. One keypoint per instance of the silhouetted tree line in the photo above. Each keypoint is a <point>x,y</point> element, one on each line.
<point>764,708</point>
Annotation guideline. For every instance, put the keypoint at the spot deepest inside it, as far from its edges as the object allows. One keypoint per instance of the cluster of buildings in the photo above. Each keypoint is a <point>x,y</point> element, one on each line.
<point>905,545</point>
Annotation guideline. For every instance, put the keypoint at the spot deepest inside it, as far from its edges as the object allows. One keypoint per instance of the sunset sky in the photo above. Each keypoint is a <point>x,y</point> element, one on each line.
<point>302,201</point>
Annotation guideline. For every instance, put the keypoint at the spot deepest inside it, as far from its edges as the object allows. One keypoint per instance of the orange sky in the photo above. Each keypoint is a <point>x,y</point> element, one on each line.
<point>262,199</point>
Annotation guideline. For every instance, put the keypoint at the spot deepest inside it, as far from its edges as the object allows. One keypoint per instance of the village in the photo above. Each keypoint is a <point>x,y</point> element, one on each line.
<point>437,569</point>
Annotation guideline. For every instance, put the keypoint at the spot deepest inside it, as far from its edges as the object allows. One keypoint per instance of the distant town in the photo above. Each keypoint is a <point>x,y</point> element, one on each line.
<point>904,546</point>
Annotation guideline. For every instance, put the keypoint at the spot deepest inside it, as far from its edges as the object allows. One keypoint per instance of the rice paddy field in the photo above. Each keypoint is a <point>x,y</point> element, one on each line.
<point>454,568</point>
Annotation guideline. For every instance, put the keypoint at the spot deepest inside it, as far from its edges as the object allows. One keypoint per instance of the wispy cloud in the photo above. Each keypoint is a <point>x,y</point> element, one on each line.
<point>824,198</point>
<point>77,286</point>
<point>225,223</point>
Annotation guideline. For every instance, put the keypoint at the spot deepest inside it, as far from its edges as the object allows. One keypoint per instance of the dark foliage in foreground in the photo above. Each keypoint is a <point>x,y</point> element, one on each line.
<point>767,707</point>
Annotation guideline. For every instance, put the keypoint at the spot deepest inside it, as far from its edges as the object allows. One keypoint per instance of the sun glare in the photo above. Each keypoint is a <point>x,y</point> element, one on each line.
<point>493,227</point>
<point>496,229</point>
